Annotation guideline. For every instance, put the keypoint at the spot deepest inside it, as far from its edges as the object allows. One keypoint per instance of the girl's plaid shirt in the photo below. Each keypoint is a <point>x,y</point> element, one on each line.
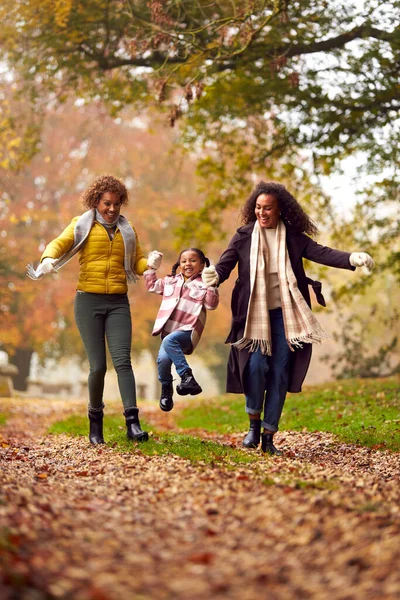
<point>184,304</point>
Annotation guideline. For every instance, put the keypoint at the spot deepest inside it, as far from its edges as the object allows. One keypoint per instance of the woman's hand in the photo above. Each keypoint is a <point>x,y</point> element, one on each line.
<point>46,266</point>
<point>154,260</point>
<point>361,259</point>
<point>209,276</point>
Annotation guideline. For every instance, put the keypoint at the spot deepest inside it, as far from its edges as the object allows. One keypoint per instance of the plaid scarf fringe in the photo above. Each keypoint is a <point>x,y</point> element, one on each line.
<point>253,345</point>
<point>309,338</point>
<point>301,326</point>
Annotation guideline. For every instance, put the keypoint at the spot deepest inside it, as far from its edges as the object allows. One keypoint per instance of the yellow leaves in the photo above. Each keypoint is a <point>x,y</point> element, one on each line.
<point>62,9</point>
<point>186,70</point>
<point>14,134</point>
<point>5,163</point>
<point>76,37</point>
<point>11,335</point>
<point>15,142</point>
<point>9,138</point>
<point>38,13</point>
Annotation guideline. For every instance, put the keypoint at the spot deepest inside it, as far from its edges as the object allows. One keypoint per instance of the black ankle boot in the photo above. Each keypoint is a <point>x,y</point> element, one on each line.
<point>188,385</point>
<point>96,426</point>
<point>252,439</point>
<point>267,444</point>
<point>166,401</point>
<point>133,430</point>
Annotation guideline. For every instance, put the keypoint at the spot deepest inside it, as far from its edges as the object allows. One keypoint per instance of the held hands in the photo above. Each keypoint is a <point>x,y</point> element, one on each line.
<point>361,259</point>
<point>154,260</point>
<point>209,276</point>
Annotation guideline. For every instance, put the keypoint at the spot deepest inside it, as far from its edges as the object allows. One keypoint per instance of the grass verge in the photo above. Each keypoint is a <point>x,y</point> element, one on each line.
<point>185,446</point>
<point>359,411</point>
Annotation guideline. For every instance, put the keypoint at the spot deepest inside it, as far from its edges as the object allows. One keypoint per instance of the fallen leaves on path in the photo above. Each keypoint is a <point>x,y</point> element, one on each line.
<point>89,523</point>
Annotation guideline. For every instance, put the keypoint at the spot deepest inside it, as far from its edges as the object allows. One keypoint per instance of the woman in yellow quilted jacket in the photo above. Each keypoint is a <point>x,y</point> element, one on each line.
<point>109,256</point>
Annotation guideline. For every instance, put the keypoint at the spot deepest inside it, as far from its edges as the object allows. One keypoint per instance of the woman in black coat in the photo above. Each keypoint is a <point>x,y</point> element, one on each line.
<point>273,328</point>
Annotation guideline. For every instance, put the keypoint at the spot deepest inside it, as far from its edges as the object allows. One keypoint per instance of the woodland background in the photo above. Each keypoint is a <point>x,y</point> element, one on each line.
<point>191,103</point>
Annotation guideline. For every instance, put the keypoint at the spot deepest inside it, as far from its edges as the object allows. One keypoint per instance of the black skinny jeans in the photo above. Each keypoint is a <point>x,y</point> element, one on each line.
<point>100,317</point>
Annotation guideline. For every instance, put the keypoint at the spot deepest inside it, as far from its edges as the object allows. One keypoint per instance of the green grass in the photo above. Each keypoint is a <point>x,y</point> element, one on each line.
<point>316,485</point>
<point>3,419</point>
<point>185,446</point>
<point>224,414</point>
<point>363,411</point>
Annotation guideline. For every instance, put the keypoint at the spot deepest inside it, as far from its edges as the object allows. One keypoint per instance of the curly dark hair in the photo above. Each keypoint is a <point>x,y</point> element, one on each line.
<point>99,186</point>
<point>292,214</point>
<point>203,259</point>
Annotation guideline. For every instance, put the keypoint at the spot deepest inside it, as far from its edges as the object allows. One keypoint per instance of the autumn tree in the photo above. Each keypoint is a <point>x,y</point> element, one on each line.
<point>261,88</point>
<point>275,89</point>
<point>38,202</point>
<point>316,75</point>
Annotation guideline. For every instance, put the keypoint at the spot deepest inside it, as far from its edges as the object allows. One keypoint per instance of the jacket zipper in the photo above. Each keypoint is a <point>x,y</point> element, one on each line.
<point>108,261</point>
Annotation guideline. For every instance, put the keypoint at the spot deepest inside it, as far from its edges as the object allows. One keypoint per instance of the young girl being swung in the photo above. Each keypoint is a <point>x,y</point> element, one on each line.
<point>180,319</point>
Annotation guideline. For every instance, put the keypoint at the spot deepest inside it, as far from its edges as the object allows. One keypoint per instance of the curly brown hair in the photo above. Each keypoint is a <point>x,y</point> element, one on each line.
<point>291,212</point>
<point>99,186</point>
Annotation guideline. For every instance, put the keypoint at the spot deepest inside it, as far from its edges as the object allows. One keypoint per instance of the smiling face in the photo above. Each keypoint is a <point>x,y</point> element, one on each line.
<point>267,211</point>
<point>109,206</point>
<point>190,264</point>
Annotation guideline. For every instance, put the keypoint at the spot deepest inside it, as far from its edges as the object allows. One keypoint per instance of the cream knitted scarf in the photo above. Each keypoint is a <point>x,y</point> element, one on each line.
<point>301,326</point>
<point>81,232</point>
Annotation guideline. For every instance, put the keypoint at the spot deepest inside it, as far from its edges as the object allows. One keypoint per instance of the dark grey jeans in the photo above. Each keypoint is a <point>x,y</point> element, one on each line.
<point>266,378</point>
<point>100,317</point>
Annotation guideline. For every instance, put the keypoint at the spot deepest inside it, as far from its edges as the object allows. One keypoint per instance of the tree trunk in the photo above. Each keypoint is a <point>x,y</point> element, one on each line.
<point>22,360</point>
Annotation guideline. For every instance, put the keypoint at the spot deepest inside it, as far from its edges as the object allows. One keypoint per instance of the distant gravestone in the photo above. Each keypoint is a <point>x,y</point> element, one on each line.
<point>6,383</point>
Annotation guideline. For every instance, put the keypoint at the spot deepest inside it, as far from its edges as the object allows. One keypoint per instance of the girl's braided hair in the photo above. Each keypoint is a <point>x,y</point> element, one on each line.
<point>99,186</point>
<point>203,259</point>
<point>291,212</point>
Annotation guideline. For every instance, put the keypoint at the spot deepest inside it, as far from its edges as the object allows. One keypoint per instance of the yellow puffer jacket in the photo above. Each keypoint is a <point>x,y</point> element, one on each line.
<point>101,259</point>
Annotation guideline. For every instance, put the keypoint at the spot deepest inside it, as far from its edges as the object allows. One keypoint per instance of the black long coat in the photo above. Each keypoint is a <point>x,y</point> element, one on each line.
<point>238,252</point>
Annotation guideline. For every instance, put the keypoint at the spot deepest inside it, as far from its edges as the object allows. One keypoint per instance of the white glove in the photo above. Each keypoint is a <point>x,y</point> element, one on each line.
<point>46,266</point>
<point>361,259</point>
<point>154,260</point>
<point>209,276</point>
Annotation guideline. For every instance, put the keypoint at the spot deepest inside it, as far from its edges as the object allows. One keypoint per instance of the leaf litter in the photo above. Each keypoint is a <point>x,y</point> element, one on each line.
<point>92,523</point>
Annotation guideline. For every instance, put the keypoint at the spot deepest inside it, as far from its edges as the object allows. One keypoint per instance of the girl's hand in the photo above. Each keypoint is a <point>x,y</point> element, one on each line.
<point>209,276</point>
<point>154,260</point>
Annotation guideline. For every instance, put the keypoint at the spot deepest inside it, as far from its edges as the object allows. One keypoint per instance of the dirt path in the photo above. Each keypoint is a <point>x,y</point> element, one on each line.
<point>87,523</point>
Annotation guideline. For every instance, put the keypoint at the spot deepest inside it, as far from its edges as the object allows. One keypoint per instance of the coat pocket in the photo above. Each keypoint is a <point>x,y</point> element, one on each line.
<point>168,290</point>
<point>197,294</point>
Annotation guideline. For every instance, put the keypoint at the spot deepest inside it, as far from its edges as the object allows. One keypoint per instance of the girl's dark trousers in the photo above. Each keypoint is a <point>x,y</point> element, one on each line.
<point>102,317</point>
